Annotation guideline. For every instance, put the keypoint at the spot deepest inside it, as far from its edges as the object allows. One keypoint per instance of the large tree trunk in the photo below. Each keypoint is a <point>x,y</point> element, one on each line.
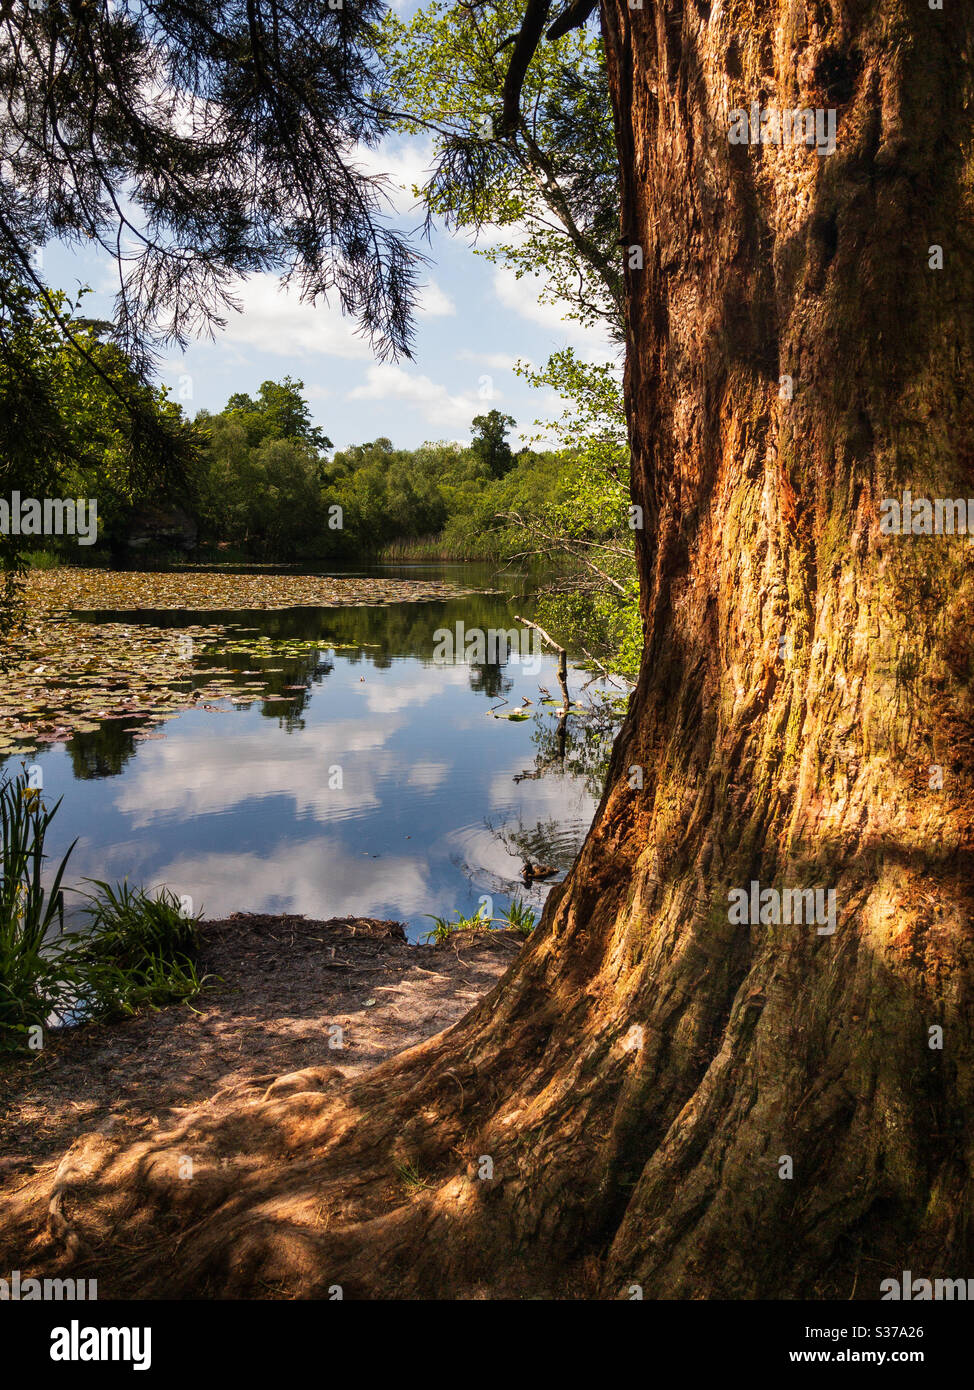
<point>643,1070</point>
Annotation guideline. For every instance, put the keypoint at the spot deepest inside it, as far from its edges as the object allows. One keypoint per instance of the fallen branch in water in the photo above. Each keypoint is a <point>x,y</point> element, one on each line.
<point>562,657</point>
<point>609,675</point>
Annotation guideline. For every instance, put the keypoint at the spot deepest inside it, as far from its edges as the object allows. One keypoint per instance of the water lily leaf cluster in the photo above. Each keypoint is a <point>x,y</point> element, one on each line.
<point>66,675</point>
<point>74,590</point>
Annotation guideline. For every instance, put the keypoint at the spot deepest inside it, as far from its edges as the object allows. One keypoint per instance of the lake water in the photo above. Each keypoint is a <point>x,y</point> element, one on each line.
<point>242,810</point>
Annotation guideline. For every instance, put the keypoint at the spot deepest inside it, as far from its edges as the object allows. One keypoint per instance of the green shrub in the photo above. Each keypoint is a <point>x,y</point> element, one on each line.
<point>36,978</point>
<point>139,951</point>
<point>519,918</point>
<point>444,929</point>
<point>43,560</point>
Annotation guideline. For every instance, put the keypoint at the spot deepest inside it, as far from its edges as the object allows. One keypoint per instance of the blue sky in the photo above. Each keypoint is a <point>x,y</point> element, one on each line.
<point>475,319</point>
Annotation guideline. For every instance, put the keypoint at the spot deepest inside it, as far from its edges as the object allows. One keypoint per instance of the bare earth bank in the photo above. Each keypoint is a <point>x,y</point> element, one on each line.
<point>292,994</point>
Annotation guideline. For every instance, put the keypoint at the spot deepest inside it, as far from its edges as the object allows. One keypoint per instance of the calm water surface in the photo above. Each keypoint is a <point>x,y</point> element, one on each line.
<point>434,809</point>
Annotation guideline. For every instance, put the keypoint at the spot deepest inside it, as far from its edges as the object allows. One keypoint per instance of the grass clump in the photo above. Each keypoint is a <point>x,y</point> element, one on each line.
<point>443,929</point>
<point>137,951</point>
<point>411,1178</point>
<point>43,560</point>
<point>35,974</point>
<point>518,918</point>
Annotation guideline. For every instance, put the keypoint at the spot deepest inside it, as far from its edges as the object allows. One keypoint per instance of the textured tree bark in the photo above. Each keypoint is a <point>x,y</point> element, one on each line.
<point>639,1076</point>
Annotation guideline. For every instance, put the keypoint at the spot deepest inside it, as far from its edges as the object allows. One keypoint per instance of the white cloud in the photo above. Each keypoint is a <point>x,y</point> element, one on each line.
<point>434,301</point>
<point>384,697</point>
<point>428,776</point>
<point>244,766</point>
<point>440,408</point>
<point>405,164</point>
<point>491,235</point>
<point>277,321</point>
<point>317,877</point>
<point>521,296</point>
<point>499,361</point>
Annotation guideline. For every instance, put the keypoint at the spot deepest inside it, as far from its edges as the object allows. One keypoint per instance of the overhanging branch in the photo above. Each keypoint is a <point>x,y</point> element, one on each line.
<point>572,18</point>
<point>526,44</point>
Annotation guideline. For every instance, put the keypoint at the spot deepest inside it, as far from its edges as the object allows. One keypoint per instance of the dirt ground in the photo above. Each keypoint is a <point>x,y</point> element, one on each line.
<point>284,986</point>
